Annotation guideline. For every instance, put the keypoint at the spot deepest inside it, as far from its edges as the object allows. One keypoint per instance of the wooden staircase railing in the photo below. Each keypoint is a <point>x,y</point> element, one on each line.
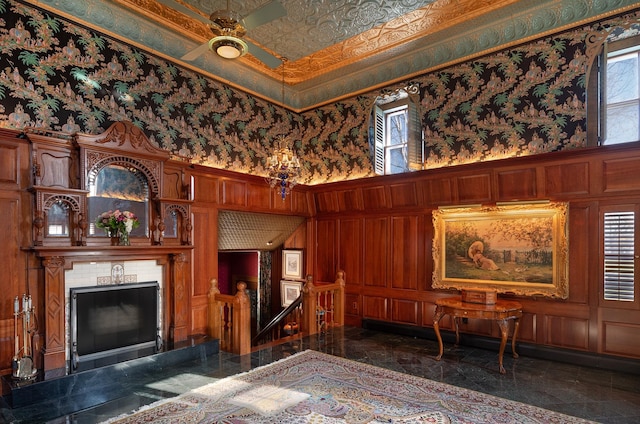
<point>230,316</point>
<point>323,305</point>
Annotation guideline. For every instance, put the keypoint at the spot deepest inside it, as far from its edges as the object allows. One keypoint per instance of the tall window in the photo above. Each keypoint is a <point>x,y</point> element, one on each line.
<point>622,96</point>
<point>397,137</point>
<point>618,92</point>
<point>619,256</point>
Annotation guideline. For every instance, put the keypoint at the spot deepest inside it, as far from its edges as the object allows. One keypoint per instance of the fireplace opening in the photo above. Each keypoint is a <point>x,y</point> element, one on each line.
<point>111,324</point>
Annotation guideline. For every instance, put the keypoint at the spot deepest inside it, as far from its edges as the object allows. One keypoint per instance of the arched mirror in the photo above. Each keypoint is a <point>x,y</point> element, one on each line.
<point>118,187</point>
<point>395,131</point>
<point>58,220</point>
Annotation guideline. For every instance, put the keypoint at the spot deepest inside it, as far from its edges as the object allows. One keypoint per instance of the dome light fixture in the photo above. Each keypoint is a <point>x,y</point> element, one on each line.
<point>228,47</point>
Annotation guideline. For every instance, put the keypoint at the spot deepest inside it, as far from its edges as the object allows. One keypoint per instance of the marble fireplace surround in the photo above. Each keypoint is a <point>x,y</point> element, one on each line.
<point>166,264</point>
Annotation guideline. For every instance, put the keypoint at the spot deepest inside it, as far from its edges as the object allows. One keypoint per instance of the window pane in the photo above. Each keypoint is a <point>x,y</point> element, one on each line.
<point>397,160</point>
<point>622,123</point>
<point>397,124</point>
<point>619,256</point>
<point>622,78</point>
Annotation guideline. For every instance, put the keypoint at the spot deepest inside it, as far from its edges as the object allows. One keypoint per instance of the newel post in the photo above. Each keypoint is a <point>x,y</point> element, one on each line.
<point>310,304</point>
<point>339,299</point>
<point>215,317</point>
<point>241,321</point>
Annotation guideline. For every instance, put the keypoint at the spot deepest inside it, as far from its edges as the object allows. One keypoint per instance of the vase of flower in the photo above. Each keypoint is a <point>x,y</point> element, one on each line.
<point>118,225</point>
<point>123,238</point>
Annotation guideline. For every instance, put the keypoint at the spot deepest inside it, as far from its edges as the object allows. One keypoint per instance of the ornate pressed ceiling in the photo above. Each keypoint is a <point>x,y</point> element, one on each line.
<point>336,49</point>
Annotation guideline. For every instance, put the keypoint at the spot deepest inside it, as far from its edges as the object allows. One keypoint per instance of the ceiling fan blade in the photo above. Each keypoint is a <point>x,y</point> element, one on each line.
<point>197,52</point>
<point>184,10</point>
<point>264,14</point>
<point>263,56</point>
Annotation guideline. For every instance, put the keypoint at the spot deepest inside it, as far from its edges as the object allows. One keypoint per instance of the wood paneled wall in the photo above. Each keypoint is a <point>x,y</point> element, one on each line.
<point>380,231</point>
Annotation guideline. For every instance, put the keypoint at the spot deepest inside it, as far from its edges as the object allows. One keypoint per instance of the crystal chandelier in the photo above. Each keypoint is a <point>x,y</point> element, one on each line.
<point>283,166</point>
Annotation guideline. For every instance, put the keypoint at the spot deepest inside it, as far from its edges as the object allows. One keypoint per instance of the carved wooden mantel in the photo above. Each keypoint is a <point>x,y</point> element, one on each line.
<point>56,260</point>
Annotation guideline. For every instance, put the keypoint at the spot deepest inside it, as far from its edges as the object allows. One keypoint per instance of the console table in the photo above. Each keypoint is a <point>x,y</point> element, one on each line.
<point>501,312</point>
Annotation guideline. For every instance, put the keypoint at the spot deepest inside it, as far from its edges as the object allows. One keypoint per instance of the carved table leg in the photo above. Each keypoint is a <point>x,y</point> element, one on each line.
<point>436,327</point>
<point>455,321</point>
<point>516,325</point>
<point>504,331</point>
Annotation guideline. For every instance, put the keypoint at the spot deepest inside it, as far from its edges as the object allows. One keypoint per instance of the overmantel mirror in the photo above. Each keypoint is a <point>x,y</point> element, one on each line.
<point>395,131</point>
<point>118,186</point>
<point>122,171</point>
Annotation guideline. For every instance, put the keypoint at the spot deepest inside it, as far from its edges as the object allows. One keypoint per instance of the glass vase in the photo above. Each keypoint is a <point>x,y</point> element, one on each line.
<point>123,238</point>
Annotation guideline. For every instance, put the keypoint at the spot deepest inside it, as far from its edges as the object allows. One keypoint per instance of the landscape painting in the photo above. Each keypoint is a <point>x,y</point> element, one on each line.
<point>514,248</point>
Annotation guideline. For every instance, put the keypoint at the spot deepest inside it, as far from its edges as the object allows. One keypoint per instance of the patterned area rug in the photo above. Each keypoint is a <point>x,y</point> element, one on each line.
<point>313,387</point>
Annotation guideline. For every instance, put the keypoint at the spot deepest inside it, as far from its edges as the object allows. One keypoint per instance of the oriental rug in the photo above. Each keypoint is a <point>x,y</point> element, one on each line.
<point>313,387</point>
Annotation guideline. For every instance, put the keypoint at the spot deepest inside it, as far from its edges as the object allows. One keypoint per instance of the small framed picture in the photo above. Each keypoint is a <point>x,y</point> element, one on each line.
<point>292,264</point>
<point>289,291</point>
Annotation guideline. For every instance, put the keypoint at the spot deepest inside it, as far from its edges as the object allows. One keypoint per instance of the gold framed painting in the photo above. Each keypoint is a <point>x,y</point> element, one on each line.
<point>512,248</point>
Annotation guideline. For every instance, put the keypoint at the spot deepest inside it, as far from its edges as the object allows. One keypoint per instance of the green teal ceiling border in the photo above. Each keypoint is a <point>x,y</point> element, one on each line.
<point>522,21</point>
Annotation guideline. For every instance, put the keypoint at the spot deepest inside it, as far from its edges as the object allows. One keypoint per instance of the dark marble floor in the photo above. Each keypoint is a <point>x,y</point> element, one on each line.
<point>599,395</point>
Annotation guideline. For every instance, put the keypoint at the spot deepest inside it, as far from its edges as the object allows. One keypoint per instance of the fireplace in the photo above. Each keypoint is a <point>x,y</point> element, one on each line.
<point>110,324</point>
<point>68,268</point>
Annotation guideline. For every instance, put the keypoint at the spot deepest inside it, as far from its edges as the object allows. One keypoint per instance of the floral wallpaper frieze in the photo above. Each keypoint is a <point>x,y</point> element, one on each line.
<point>58,76</point>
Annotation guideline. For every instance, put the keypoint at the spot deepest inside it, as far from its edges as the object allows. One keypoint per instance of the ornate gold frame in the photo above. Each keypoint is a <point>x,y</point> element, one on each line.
<point>509,271</point>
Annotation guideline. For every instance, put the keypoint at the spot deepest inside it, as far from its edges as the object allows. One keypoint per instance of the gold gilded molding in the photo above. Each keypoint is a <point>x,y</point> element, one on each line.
<point>424,21</point>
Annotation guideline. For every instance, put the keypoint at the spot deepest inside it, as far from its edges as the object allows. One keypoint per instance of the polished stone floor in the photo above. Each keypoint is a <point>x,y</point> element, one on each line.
<point>599,395</point>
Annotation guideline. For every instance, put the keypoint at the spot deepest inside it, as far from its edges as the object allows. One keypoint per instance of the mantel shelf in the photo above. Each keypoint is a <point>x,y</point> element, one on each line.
<point>134,251</point>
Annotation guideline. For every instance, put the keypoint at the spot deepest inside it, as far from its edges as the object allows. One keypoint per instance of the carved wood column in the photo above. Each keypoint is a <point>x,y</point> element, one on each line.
<point>54,347</point>
<point>180,285</point>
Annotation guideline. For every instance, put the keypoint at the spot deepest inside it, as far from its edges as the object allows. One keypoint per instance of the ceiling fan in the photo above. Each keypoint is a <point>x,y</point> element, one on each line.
<point>229,28</point>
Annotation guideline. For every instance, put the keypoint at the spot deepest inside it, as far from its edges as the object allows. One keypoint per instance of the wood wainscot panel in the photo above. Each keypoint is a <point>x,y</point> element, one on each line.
<point>403,195</point>
<point>326,202</point>
<point>206,189</point>
<point>620,174</point>
<point>404,311</point>
<point>349,200</point>
<point>352,304</point>
<point>375,307</point>
<point>437,192</point>
<point>199,315</point>
<point>350,248</point>
<point>404,252</point>
<point>374,197</point>
<point>234,192</point>
<point>376,251</point>
<point>205,252</point>
<point>299,202</point>
<point>13,267</point>
<point>581,233</point>
<point>7,347</point>
<point>259,196</point>
<point>516,184</point>
<point>9,165</point>
<point>474,188</point>
<point>567,179</point>
<point>326,250</point>
<point>567,332</point>
<point>620,338</point>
